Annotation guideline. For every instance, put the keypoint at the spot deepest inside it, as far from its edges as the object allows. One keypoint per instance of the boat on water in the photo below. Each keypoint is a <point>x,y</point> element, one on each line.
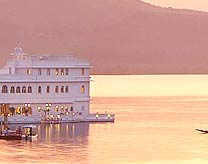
<point>25,133</point>
<point>203,131</point>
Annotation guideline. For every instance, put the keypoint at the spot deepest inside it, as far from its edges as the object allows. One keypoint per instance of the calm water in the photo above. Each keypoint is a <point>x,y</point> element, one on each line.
<point>153,128</point>
<point>147,130</point>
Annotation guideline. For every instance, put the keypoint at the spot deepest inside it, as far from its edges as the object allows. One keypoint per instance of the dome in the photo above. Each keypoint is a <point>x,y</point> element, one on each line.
<point>18,50</point>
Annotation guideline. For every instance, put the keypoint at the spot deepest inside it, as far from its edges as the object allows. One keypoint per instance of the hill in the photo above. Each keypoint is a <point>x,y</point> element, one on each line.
<point>117,36</point>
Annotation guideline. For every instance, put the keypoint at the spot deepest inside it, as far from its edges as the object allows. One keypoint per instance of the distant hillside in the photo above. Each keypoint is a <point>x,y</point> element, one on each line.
<point>116,36</point>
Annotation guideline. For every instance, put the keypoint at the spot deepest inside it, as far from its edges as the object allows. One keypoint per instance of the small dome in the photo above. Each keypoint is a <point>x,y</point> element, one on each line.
<point>18,50</point>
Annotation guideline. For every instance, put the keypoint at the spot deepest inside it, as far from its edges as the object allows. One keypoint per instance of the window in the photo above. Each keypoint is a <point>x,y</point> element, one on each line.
<point>4,89</point>
<point>39,108</point>
<point>18,110</point>
<point>48,89</point>
<point>67,71</point>
<point>57,109</point>
<point>18,89</point>
<point>57,71</point>
<point>24,89</point>
<point>29,89</point>
<point>29,71</point>
<point>29,110</point>
<point>62,71</point>
<point>62,89</point>
<point>39,71</point>
<point>83,108</point>
<point>82,89</point>
<point>12,90</point>
<point>83,71</point>
<point>48,71</point>
<point>62,108</point>
<point>67,89</point>
<point>39,89</point>
<point>56,89</point>
<point>71,109</point>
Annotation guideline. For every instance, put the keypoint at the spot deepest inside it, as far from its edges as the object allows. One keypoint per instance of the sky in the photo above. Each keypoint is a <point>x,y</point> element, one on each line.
<point>189,4</point>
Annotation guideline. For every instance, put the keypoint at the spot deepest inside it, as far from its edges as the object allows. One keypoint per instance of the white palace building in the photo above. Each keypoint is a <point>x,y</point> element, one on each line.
<point>37,88</point>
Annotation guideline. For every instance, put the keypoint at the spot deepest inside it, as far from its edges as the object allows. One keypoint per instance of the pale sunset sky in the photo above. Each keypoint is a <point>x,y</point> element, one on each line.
<point>189,4</point>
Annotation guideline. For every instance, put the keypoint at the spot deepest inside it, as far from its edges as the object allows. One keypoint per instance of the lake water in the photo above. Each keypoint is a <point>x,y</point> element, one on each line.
<point>147,130</point>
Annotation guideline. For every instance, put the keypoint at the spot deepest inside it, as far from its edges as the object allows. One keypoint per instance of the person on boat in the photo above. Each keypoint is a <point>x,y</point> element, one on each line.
<point>30,131</point>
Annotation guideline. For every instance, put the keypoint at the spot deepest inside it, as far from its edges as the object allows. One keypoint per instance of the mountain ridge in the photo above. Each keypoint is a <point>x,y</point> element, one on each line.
<point>116,36</point>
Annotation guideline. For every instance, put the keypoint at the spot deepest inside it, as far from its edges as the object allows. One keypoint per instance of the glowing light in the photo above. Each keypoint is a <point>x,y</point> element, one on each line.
<point>29,71</point>
<point>39,108</point>
<point>57,108</point>
<point>97,115</point>
<point>109,115</point>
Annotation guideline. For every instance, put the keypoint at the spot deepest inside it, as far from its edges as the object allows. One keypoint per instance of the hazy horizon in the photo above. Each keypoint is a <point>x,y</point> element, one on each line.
<point>200,5</point>
<point>148,85</point>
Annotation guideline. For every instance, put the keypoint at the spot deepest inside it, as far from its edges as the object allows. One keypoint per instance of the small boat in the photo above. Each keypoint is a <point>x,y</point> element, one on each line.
<point>203,131</point>
<point>10,135</point>
<point>29,133</point>
<point>26,133</point>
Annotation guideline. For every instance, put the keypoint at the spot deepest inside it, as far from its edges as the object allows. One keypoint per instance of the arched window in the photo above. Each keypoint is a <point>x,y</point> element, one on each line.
<point>24,90</point>
<point>67,71</point>
<point>39,71</point>
<point>56,89</point>
<point>18,89</point>
<point>62,71</point>
<point>4,89</point>
<point>12,90</point>
<point>29,71</point>
<point>39,108</point>
<point>48,89</point>
<point>48,71</point>
<point>57,71</point>
<point>29,110</point>
<point>62,108</point>
<point>39,89</point>
<point>67,89</point>
<point>18,110</point>
<point>29,89</point>
<point>83,71</point>
<point>57,108</point>
<point>62,89</point>
<point>82,89</point>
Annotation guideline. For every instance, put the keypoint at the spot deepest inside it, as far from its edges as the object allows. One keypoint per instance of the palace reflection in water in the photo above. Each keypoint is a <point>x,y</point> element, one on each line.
<point>55,143</point>
<point>56,132</point>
